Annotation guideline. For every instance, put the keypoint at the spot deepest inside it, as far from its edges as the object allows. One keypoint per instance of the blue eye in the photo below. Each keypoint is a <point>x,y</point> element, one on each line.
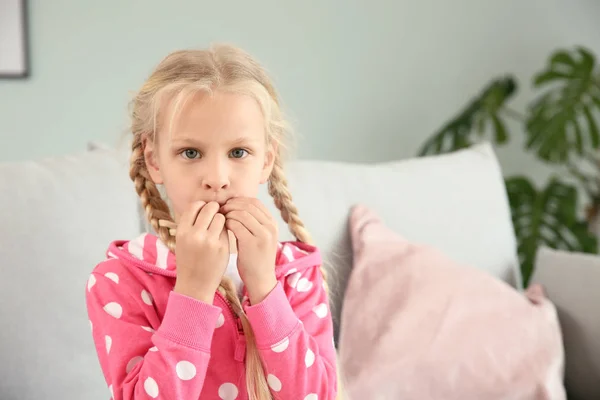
<point>238,153</point>
<point>190,154</point>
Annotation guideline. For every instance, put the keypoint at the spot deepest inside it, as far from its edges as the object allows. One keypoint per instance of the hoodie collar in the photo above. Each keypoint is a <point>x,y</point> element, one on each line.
<point>151,254</point>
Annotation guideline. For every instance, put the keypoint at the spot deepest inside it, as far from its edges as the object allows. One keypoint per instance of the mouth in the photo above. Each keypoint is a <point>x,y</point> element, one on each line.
<point>222,202</point>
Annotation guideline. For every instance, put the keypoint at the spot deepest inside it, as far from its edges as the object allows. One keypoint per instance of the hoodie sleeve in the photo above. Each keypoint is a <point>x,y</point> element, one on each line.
<point>138,362</point>
<point>294,334</point>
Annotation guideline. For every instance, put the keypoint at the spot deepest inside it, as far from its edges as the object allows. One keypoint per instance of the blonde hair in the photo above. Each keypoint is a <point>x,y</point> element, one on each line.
<point>178,76</point>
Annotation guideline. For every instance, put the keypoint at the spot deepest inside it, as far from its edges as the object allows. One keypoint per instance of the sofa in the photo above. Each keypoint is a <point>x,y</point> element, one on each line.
<point>60,213</point>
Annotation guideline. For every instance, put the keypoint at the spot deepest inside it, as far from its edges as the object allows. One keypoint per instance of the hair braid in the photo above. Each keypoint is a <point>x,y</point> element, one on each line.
<point>256,383</point>
<point>155,207</point>
<point>278,189</point>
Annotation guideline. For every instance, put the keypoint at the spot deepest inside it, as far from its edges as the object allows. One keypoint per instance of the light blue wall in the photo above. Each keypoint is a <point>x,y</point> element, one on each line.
<point>362,80</point>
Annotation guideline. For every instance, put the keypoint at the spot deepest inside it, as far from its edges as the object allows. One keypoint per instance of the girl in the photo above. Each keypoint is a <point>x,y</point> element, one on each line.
<point>195,312</point>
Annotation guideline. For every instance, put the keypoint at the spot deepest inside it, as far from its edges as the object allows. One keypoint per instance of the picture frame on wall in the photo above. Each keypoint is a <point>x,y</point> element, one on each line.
<point>14,46</point>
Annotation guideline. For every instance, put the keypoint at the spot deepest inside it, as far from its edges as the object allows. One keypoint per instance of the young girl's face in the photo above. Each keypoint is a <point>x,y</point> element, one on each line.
<point>216,150</point>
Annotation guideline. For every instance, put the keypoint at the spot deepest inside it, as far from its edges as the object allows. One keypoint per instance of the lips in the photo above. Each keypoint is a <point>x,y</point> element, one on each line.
<point>221,202</point>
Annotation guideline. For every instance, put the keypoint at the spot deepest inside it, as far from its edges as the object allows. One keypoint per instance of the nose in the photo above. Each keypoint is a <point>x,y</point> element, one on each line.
<point>216,176</point>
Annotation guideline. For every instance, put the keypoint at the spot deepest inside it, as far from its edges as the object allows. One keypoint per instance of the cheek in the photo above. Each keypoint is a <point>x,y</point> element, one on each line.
<point>179,188</point>
<point>247,179</point>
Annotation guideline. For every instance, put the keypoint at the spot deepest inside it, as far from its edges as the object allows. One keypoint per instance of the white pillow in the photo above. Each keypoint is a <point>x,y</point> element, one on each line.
<point>572,282</point>
<point>58,217</point>
<point>455,202</point>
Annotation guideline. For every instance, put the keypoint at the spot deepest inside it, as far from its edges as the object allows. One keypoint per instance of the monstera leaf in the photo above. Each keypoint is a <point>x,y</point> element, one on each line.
<point>547,217</point>
<point>561,120</point>
<point>485,109</point>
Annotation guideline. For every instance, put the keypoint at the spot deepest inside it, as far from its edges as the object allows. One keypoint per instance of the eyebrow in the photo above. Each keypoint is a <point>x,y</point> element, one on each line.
<point>189,141</point>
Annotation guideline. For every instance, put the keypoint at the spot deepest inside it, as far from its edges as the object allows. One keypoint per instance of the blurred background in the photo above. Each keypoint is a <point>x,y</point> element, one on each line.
<point>361,80</point>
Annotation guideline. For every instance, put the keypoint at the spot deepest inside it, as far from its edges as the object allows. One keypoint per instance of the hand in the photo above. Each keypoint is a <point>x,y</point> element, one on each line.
<point>202,249</point>
<point>256,234</point>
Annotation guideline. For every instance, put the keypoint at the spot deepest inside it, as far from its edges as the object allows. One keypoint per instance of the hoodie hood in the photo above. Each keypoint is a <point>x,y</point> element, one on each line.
<point>150,254</point>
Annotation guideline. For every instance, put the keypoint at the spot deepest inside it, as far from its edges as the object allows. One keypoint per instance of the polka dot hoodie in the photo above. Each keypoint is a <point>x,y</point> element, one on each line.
<point>153,343</point>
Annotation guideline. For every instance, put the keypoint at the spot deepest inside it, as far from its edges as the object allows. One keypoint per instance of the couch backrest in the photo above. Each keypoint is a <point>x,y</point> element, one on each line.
<point>60,214</point>
<point>456,202</point>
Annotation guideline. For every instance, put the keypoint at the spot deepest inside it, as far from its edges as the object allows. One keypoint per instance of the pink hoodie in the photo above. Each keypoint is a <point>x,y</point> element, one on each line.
<point>155,343</point>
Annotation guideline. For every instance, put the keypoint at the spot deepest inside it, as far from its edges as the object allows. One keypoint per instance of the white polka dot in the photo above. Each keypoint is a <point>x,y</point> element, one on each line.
<point>228,391</point>
<point>136,246</point>
<point>321,310</point>
<point>111,255</point>
<point>162,254</point>
<point>153,348</point>
<point>280,347</point>
<point>146,297</point>
<point>220,320</point>
<point>147,328</point>
<point>185,370</point>
<point>288,253</point>
<point>304,285</point>
<point>291,271</point>
<point>309,359</point>
<point>91,282</point>
<point>112,276</point>
<point>108,342</point>
<point>274,382</point>
<point>110,389</point>
<point>312,396</point>
<point>292,280</point>
<point>151,387</point>
<point>132,363</point>
<point>114,309</point>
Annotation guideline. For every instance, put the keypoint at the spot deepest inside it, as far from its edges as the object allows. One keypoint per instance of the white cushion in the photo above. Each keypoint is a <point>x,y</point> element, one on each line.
<point>572,282</point>
<point>58,217</point>
<point>456,202</point>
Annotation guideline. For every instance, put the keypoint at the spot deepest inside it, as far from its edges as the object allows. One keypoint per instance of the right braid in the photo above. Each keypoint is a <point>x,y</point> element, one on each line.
<point>156,209</point>
<point>278,189</point>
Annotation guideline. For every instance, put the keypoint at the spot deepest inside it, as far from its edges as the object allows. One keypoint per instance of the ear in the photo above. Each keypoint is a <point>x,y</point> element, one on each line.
<point>270,156</point>
<point>151,158</point>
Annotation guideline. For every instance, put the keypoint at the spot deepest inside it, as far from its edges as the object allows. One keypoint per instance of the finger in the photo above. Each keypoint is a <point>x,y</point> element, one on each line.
<point>239,230</point>
<point>190,215</point>
<point>206,215</point>
<point>260,206</point>
<point>217,225</point>
<point>241,205</point>
<point>224,235</point>
<point>248,220</point>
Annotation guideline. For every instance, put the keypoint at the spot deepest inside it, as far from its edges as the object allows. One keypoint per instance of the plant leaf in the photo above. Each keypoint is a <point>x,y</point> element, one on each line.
<point>554,127</point>
<point>547,217</point>
<point>592,126</point>
<point>549,76</point>
<point>500,130</point>
<point>460,131</point>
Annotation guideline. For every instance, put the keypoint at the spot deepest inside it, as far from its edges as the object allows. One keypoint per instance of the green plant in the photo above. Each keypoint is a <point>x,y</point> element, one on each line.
<point>561,130</point>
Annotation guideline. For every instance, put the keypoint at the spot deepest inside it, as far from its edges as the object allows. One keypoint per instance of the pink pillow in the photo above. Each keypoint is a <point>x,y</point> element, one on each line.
<point>416,325</point>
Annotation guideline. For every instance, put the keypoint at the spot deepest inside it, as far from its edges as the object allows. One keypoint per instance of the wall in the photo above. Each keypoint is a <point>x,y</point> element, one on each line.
<point>362,81</point>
